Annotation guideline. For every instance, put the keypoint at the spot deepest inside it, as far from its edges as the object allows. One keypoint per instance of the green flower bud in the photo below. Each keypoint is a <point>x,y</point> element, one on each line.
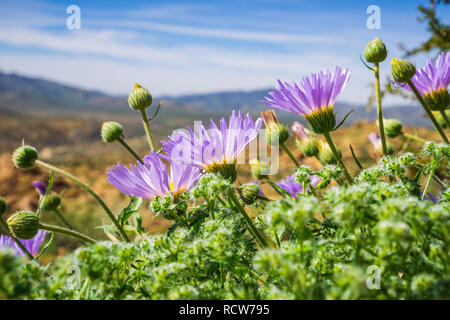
<point>389,148</point>
<point>375,51</point>
<point>402,70</point>
<point>24,224</point>
<point>438,100</point>
<point>111,131</point>
<point>260,170</point>
<point>326,155</point>
<point>309,147</point>
<point>276,132</point>
<point>392,128</point>
<point>2,206</point>
<point>24,157</point>
<point>440,119</point>
<point>50,202</point>
<point>249,192</point>
<point>139,98</point>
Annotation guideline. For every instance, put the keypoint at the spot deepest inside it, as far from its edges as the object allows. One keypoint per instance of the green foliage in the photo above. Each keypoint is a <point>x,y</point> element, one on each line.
<point>323,247</point>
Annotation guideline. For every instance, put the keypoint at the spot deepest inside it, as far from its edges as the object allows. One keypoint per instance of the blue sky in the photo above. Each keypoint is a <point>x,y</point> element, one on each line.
<point>180,47</point>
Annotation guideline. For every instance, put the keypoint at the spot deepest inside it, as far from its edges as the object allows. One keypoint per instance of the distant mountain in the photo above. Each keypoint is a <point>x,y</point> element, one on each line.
<point>22,95</point>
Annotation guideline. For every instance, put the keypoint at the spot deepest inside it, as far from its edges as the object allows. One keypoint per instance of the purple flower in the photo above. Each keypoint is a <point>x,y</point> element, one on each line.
<point>216,149</point>
<point>310,94</point>
<point>33,245</point>
<point>293,187</point>
<point>41,188</point>
<point>375,140</point>
<point>152,178</point>
<point>299,131</point>
<point>433,76</point>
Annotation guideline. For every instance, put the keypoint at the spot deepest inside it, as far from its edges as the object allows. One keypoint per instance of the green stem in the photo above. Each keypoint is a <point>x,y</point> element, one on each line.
<point>336,154</point>
<point>61,216</point>
<point>428,111</point>
<point>283,146</point>
<point>252,227</point>
<point>430,175</point>
<point>444,115</point>
<point>412,137</point>
<point>380,110</point>
<point>16,240</point>
<point>128,148</point>
<point>147,130</point>
<point>66,231</point>
<point>84,186</point>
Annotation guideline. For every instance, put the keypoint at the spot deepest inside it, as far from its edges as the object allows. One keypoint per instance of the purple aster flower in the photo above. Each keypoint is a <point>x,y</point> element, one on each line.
<point>432,81</point>
<point>33,245</point>
<point>375,140</point>
<point>214,150</point>
<point>152,178</point>
<point>312,97</point>
<point>293,187</point>
<point>41,188</point>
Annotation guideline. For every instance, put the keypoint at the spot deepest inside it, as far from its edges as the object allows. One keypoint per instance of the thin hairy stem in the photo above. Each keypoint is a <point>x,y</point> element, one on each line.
<point>338,157</point>
<point>379,109</point>
<point>66,231</point>
<point>147,130</point>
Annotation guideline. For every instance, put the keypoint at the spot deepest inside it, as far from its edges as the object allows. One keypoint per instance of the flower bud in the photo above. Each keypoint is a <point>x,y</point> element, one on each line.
<point>249,192</point>
<point>392,127</point>
<point>24,224</point>
<point>260,170</point>
<point>111,131</point>
<point>438,100</point>
<point>306,140</point>
<point>402,70</point>
<point>276,132</point>
<point>50,202</point>
<point>2,206</point>
<point>440,119</point>
<point>326,155</point>
<point>375,51</point>
<point>322,120</point>
<point>139,98</point>
<point>24,157</point>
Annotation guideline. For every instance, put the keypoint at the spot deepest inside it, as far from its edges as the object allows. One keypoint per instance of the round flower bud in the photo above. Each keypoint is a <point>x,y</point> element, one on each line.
<point>24,224</point>
<point>2,206</point>
<point>392,127</point>
<point>249,192</point>
<point>50,202</point>
<point>111,131</point>
<point>139,98</point>
<point>402,70</point>
<point>24,157</point>
<point>438,100</point>
<point>309,147</point>
<point>259,169</point>
<point>375,51</point>
<point>278,134</point>
<point>326,155</point>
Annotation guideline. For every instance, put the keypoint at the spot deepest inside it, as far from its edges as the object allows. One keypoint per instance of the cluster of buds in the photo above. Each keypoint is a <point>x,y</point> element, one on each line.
<point>305,140</point>
<point>276,132</point>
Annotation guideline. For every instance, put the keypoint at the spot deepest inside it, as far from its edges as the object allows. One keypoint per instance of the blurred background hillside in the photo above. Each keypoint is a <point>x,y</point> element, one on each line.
<point>57,86</point>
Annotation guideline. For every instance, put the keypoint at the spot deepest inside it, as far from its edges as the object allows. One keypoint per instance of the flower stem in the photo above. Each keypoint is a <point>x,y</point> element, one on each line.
<point>252,227</point>
<point>283,146</point>
<point>84,186</point>
<point>379,109</point>
<point>128,148</point>
<point>412,137</point>
<point>428,111</point>
<point>16,240</point>
<point>336,154</point>
<point>61,217</point>
<point>147,130</point>
<point>71,233</point>
<point>444,115</point>
<point>430,175</point>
